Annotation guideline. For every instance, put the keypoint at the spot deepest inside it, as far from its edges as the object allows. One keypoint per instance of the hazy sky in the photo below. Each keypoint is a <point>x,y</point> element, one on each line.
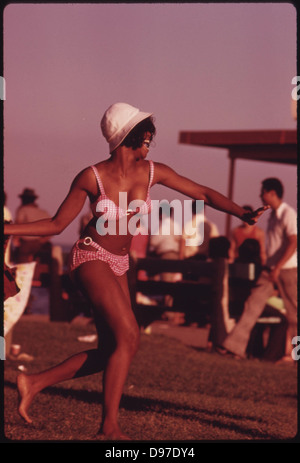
<point>196,66</point>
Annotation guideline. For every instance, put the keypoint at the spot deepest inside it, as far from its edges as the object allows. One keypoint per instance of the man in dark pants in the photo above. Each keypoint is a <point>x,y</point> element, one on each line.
<point>281,271</point>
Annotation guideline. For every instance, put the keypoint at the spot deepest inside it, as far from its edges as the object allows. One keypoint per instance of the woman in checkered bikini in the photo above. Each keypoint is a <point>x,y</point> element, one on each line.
<point>99,259</point>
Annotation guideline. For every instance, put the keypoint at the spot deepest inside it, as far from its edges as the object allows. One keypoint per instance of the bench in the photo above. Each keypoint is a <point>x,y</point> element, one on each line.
<point>199,292</point>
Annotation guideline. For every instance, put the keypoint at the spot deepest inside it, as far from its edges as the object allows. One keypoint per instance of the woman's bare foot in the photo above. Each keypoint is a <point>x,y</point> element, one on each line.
<point>26,395</point>
<point>112,434</point>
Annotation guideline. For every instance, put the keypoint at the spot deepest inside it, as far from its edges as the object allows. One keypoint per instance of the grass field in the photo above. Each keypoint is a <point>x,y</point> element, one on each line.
<point>173,393</point>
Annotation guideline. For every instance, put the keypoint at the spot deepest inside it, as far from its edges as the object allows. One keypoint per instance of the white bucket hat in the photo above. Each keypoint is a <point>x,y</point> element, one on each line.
<point>118,120</point>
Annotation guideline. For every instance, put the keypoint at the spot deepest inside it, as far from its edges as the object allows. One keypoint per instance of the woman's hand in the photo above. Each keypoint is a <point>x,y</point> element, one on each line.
<point>252,217</point>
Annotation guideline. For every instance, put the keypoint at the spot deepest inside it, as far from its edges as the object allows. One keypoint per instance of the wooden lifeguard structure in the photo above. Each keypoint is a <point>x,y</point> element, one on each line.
<point>258,145</point>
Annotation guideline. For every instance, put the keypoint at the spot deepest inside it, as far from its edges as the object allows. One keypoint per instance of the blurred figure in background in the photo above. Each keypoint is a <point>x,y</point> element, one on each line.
<point>7,218</point>
<point>249,252</point>
<point>9,283</point>
<point>6,211</point>
<point>27,247</point>
<point>200,230</point>
<point>246,231</point>
<point>10,287</point>
<point>218,248</point>
<point>165,244</point>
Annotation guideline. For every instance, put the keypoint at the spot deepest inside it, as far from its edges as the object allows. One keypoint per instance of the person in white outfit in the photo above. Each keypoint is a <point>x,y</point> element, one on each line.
<point>280,271</point>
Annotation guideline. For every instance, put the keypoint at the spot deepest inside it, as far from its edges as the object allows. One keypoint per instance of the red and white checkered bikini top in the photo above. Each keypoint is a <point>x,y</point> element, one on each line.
<point>110,209</point>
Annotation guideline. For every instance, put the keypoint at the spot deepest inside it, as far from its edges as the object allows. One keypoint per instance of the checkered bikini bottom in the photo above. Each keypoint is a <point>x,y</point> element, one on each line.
<point>118,264</point>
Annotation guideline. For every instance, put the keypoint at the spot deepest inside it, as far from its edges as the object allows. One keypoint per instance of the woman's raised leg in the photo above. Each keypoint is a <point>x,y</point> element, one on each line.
<point>29,385</point>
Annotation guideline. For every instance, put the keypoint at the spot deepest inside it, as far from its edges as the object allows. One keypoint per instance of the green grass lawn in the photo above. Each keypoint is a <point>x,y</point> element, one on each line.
<point>173,393</point>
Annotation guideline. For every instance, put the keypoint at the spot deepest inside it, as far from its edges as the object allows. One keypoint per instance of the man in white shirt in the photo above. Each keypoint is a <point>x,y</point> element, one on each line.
<point>281,269</point>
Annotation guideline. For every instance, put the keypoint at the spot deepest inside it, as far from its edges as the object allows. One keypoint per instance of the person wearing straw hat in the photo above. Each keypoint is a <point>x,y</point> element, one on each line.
<point>99,259</point>
<point>27,247</point>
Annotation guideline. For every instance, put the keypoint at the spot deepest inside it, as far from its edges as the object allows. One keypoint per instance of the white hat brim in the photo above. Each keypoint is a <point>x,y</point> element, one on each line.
<point>124,131</point>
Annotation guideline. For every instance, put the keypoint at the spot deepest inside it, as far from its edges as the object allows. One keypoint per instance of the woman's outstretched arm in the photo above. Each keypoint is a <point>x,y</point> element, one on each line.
<point>66,213</point>
<point>166,176</point>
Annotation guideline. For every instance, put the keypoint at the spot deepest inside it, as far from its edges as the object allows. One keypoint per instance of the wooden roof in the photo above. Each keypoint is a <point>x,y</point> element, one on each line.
<point>260,145</point>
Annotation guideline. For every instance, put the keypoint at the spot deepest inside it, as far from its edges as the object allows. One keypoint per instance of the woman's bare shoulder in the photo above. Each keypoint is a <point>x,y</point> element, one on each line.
<point>84,174</point>
<point>160,165</point>
<point>85,180</point>
<point>162,169</point>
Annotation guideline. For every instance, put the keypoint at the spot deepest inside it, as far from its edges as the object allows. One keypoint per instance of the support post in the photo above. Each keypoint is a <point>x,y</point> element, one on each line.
<point>230,192</point>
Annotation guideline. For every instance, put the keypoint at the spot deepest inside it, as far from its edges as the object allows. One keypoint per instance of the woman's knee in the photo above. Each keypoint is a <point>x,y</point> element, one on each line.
<point>131,339</point>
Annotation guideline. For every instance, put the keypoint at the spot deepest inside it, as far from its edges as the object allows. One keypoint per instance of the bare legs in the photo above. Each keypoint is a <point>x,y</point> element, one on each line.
<point>118,334</point>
